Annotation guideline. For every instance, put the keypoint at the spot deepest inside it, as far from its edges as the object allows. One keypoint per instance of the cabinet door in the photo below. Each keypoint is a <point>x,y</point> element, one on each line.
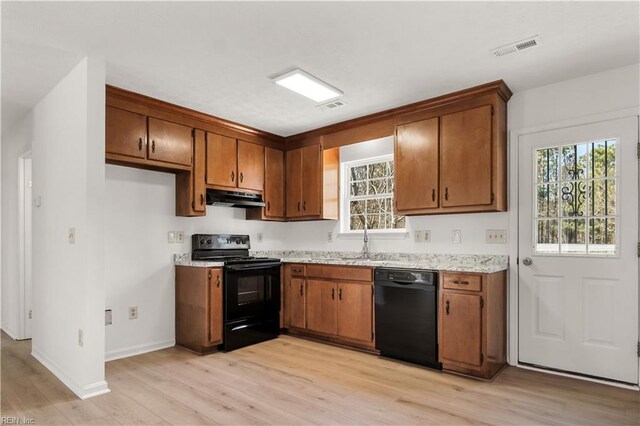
<point>297,303</point>
<point>170,142</point>
<point>221,160</point>
<point>416,165</point>
<point>322,307</point>
<point>294,182</point>
<point>214,307</point>
<point>250,166</point>
<point>466,158</point>
<point>311,180</point>
<point>355,311</point>
<point>198,175</point>
<point>461,331</point>
<point>274,183</point>
<point>126,133</point>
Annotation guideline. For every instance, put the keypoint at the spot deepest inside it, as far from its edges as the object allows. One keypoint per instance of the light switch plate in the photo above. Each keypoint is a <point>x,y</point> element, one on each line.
<point>133,312</point>
<point>72,235</point>
<point>80,337</point>
<point>179,236</point>
<point>171,237</point>
<point>496,236</point>
<point>330,237</point>
<point>418,236</point>
<point>259,237</point>
<point>456,236</point>
<point>108,317</point>
<point>426,236</point>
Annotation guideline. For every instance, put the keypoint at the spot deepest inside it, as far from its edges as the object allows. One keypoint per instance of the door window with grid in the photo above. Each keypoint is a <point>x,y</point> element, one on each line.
<point>368,196</point>
<point>575,206</point>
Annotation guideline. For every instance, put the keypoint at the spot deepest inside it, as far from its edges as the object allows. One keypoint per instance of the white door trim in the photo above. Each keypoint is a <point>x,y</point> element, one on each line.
<point>514,136</point>
<point>22,297</point>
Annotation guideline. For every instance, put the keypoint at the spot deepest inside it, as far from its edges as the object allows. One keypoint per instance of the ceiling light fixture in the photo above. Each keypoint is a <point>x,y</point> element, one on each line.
<point>307,85</point>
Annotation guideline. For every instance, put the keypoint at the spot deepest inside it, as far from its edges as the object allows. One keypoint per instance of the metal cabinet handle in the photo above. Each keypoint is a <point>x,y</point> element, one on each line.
<point>527,261</point>
<point>153,146</point>
<point>333,294</point>
<point>446,193</point>
<point>201,199</point>
<point>433,194</point>
<point>139,144</point>
<point>446,307</point>
<point>340,294</point>
<point>268,206</point>
<point>301,292</point>
<point>461,282</point>
<point>297,270</point>
<point>298,205</point>
<point>233,177</point>
<point>218,281</point>
<point>304,206</point>
<point>241,177</point>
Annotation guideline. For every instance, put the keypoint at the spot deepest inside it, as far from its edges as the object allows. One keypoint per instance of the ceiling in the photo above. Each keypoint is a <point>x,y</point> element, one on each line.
<point>218,57</point>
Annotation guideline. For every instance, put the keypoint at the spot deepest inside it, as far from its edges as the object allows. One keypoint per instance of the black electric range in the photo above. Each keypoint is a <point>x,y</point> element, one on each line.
<point>251,288</point>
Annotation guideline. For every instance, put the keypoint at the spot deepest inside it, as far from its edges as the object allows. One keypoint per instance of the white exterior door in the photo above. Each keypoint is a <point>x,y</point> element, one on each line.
<point>578,263</point>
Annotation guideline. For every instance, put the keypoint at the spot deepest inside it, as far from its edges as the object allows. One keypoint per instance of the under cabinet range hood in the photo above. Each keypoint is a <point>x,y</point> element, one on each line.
<point>217,197</point>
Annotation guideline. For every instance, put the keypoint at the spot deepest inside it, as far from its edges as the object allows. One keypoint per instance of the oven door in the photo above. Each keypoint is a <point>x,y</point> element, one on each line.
<point>251,291</point>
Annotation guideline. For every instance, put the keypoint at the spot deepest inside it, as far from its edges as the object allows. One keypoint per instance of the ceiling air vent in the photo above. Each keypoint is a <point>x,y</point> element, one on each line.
<point>518,46</point>
<point>332,105</point>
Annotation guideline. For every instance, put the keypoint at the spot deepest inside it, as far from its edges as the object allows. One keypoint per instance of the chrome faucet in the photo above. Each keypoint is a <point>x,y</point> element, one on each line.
<point>365,246</point>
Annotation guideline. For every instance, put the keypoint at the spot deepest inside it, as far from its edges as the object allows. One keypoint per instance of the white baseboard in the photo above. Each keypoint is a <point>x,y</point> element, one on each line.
<point>83,392</point>
<point>10,333</point>
<point>138,349</point>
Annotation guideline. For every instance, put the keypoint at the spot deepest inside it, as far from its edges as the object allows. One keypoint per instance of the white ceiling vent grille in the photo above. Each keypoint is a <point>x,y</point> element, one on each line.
<point>332,105</point>
<point>518,46</point>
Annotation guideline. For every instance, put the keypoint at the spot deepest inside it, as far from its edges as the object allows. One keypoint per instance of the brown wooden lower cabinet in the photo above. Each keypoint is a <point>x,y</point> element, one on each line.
<point>334,303</point>
<point>472,323</point>
<point>199,308</point>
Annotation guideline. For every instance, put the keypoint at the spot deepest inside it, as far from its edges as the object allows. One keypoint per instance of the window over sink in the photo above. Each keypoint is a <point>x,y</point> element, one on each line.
<point>368,197</point>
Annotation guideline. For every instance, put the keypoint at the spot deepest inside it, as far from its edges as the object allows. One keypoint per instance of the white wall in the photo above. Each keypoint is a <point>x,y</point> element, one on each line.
<point>16,141</point>
<point>68,280</point>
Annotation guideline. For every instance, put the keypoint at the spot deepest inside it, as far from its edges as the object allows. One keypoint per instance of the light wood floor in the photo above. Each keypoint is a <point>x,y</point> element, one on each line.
<point>294,381</point>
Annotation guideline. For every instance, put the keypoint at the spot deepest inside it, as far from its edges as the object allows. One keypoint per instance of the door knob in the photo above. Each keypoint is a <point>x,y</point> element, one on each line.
<point>527,261</point>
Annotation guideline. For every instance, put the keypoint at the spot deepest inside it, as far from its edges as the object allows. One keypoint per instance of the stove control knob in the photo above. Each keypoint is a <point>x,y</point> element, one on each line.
<point>244,241</point>
<point>228,240</point>
<point>238,241</point>
<point>209,242</point>
<point>202,241</point>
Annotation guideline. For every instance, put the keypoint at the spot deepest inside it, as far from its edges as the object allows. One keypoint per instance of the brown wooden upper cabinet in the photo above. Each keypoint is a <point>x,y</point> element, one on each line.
<point>312,185</point>
<point>233,163</point>
<point>454,160</point>
<point>190,186</point>
<point>416,140</point>
<point>274,183</point>
<point>136,139</point>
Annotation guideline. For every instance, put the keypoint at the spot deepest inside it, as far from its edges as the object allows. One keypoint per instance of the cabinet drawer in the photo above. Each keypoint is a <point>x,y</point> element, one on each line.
<point>462,282</point>
<point>297,270</point>
<point>340,272</point>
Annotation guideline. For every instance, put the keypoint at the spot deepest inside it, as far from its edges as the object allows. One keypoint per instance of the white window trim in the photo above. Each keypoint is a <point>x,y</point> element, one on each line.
<point>345,232</point>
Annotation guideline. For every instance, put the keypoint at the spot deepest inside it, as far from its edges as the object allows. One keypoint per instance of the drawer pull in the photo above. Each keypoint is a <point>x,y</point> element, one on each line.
<point>340,294</point>
<point>241,177</point>
<point>446,307</point>
<point>333,294</point>
<point>446,193</point>
<point>297,270</point>
<point>433,194</point>
<point>301,292</point>
<point>139,144</point>
<point>218,281</point>
<point>461,282</point>
<point>153,146</point>
<point>233,176</point>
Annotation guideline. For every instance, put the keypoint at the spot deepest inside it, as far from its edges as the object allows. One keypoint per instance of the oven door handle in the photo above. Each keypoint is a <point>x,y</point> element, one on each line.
<point>252,266</point>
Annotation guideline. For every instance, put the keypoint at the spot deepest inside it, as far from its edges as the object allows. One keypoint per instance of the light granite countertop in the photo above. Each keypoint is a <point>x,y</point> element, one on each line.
<point>484,264</point>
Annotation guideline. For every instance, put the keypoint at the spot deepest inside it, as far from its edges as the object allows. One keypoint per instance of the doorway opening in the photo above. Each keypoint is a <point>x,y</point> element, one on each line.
<point>25,204</point>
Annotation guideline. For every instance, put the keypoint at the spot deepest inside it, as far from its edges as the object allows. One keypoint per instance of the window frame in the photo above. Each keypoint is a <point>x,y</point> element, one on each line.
<point>345,198</point>
<point>587,216</point>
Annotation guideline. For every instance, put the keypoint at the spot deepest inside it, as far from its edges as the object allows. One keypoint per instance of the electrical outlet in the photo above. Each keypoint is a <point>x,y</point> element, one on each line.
<point>259,237</point>
<point>330,237</point>
<point>108,318</point>
<point>72,235</point>
<point>418,236</point>
<point>80,337</point>
<point>456,236</point>
<point>496,236</point>
<point>171,237</point>
<point>133,312</point>
<point>426,236</point>
<point>179,236</point>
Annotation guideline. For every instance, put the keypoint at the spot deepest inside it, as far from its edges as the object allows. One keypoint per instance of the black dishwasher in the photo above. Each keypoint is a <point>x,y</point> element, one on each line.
<point>406,315</point>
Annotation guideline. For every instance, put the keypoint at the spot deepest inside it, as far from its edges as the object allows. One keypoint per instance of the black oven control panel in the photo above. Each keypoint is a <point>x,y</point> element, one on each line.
<point>220,242</point>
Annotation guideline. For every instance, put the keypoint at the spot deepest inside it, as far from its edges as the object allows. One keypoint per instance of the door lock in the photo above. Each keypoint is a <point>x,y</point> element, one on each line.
<point>527,261</point>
